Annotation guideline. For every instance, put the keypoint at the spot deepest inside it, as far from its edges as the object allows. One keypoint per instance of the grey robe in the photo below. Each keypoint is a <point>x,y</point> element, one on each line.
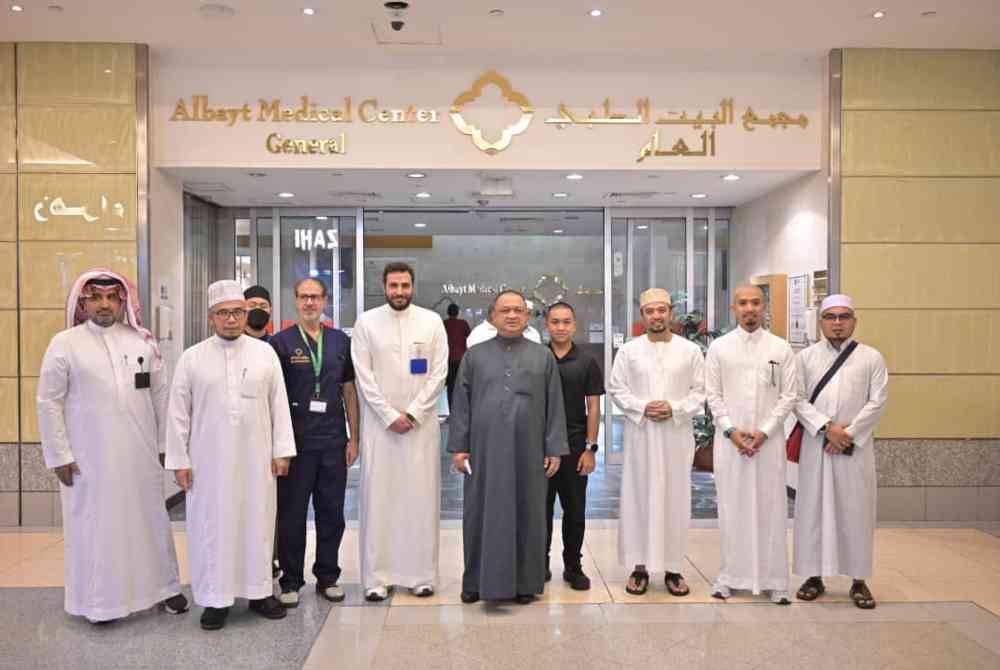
<point>508,414</point>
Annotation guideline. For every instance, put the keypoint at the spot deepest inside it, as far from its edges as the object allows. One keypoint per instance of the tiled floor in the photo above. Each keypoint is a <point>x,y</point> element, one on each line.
<point>938,591</point>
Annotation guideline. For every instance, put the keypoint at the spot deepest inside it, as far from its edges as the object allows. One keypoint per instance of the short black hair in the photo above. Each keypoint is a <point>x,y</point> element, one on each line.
<point>560,305</point>
<point>453,310</point>
<point>397,266</point>
<point>302,281</point>
<point>507,291</point>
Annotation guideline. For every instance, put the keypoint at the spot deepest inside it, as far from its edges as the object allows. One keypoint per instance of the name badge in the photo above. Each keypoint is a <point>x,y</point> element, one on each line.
<point>418,366</point>
<point>142,380</point>
<point>317,406</point>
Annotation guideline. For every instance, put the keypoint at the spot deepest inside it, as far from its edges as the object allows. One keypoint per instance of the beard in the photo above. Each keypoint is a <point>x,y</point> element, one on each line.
<point>394,302</point>
<point>657,327</point>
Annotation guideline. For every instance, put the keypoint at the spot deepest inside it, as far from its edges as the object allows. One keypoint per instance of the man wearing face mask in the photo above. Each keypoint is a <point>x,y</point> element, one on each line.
<point>258,312</point>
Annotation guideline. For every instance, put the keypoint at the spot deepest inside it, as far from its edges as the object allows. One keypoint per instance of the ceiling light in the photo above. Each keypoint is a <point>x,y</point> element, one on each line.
<point>878,14</point>
<point>423,194</point>
<point>699,196</point>
<point>929,14</point>
<point>496,13</point>
<point>731,177</point>
<point>322,218</point>
<point>595,13</point>
<point>257,174</point>
<point>216,10</point>
<point>16,8</point>
<point>558,231</point>
<point>642,227</point>
<point>416,175</point>
<point>574,177</point>
<point>308,11</point>
<point>560,195</point>
<point>419,225</point>
<point>57,9</point>
<point>107,70</point>
<point>704,227</point>
<point>286,194</point>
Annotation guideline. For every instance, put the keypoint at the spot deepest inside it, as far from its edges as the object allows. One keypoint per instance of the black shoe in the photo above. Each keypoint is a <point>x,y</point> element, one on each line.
<point>176,605</point>
<point>269,608</point>
<point>276,570</point>
<point>576,579</point>
<point>469,597</point>
<point>214,618</point>
<point>103,622</point>
<point>524,599</point>
<point>548,575</point>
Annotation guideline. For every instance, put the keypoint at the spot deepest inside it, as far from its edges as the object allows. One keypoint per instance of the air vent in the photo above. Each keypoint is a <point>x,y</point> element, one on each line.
<point>521,220</point>
<point>496,187</point>
<point>633,195</point>
<point>356,195</point>
<point>414,32</point>
<point>207,187</point>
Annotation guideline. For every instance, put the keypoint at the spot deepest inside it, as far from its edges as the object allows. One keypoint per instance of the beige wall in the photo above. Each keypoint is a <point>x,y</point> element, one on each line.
<point>74,110</point>
<point>921,232</point>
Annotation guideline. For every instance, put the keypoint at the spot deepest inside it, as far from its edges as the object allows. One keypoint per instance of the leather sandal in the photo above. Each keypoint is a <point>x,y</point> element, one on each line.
<point>641,580</point>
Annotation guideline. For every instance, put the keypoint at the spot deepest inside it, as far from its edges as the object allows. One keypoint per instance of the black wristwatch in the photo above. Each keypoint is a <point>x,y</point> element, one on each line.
<point>592,447</point>
<point>728,432</point>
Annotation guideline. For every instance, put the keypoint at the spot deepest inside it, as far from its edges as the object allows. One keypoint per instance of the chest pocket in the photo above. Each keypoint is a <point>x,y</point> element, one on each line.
<point>251,387</point>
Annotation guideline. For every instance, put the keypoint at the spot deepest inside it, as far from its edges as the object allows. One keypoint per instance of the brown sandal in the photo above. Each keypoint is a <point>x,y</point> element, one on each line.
<point>862,597</point>
<point>641,580</point>
<point>673,581</point>
<point>811,589</point>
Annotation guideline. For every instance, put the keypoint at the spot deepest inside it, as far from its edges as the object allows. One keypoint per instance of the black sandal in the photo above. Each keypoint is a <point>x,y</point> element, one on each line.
<point>811,589</point>
<point>641,580</point>
<point>673,582</point>
<point>862,597</point>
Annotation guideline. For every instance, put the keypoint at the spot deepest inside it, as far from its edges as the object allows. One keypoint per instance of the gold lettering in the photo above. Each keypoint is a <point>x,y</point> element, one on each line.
<point>272,109</point>
<point>288,147</point>
<point>180,112</point>
<point>399,116</point>
<point>423,116</point>
<point>323,114</point>
<point>384,116</point>
<point>434,116</point>
<point>314,146</point>
<point>274,143</point>
<point>302,114</point>
<point>300,147</point>
<point>363,110</point>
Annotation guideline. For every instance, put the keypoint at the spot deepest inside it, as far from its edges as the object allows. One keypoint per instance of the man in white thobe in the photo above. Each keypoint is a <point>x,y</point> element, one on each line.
<point>400,354</point>
<point>835,499</point>
<point>487,331</point>
<point>752,385</point>
<point>658,381</point>
<point>229,435</point>
<point>102,404</point>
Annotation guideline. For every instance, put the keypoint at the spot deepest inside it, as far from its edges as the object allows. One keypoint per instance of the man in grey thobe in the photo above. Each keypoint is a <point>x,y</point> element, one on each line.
<point>507,432</point>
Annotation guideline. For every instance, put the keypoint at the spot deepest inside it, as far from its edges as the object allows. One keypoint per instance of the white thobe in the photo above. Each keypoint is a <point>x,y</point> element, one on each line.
<point>119,552</point>
<point>487,331</point>
<point>835,497</point>
<point>751,384</point>
<point>656,474</point>
<point>400,474</point>
<point>228,418</point>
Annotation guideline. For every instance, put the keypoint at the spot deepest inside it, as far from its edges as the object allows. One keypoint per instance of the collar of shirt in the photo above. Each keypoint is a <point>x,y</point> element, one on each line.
<point>832,349</point>
<point>100,330</point>
<point>223,342</point>
<point>570,355</point>
<point>747,337</point>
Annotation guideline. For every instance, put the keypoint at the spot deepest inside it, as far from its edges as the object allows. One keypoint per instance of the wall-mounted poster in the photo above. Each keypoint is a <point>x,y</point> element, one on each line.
<point>798,303</point>
<point>775,288</point>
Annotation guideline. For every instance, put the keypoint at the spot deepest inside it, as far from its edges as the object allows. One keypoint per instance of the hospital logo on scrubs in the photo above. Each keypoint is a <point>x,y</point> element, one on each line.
<point>492,147</point>
<point>300,357</point>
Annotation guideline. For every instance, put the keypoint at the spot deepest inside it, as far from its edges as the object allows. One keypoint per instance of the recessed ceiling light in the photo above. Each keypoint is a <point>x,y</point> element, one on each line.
<point>929,14</point>
<point>286,194</point>
<point>878,14</point>
<point>642,227</point>
<point>699,196</point>
<point>419,225</point>
<point>574,176</point>
<point>257,174</point>
<point>423,194</point>
<point>57,9</point>
<point>704,227</point>
<point>416,175</point>
<point>596,12</point>
<point>308,11</point>
<point>496,13</point>
<point>560,195</point>
<point>216,10</point>
<point>322,218</point>
<point>558,231</point>
<point>107,70</point>
<point>731,177</point>
<point>16,8</point>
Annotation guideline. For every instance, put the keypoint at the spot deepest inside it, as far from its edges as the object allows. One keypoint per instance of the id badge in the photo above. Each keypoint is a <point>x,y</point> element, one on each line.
<point>142,380</point>
<point>418,366</point>
<point>317,406</point>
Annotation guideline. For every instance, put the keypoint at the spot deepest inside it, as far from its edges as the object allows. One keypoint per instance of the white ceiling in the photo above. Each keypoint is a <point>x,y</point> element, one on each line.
<point>463,188</point>
<point>723,34</point>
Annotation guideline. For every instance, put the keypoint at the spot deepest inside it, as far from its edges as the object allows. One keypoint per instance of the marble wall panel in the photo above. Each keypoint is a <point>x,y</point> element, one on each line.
<point>922,276</point>
<point>8,338</point>
<point>921,144</point>
<point>72,73</point>
<point>38,327</point>
<point>70,139</point>
<point>29,410</point>
<point>928,341</point>
<point>8,410</point>
<point>883,209</point>
<point>34,475</point>
<point>48,269</point>
<point>77,207</point>
<point>8,207</point>
<point>8,467</point>
<point>901,462</point>
<point>921,79</point>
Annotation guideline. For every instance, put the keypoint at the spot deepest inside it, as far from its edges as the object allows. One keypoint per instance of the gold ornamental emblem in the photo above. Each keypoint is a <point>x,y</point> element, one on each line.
<point>509,94</point>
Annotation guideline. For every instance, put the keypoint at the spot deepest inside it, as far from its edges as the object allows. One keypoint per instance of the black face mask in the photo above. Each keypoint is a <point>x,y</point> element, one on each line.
<point>257,318</point>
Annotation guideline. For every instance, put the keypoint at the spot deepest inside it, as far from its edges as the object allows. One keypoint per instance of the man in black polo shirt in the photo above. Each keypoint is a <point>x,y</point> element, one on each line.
<point>583,386</point>
<point>319,376</point>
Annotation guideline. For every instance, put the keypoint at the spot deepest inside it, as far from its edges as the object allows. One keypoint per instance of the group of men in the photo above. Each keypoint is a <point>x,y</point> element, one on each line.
<point>254,426</point>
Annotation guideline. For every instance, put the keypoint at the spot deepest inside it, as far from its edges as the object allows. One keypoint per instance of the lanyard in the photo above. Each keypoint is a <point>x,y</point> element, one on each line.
<point>317,358</point>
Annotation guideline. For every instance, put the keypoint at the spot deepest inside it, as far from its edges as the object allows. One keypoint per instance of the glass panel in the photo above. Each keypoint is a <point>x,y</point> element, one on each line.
<point>722,287</point>
<point>700,303</point>
<point>320,247</point>
<point>265,253</point>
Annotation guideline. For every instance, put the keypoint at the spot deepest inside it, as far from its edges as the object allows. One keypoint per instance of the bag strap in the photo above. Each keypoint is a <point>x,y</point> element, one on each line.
<point>841,359</point>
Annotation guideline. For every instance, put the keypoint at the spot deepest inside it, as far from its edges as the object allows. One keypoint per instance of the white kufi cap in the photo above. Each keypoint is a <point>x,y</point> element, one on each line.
<point>224,290</point>
<point>837,300</point>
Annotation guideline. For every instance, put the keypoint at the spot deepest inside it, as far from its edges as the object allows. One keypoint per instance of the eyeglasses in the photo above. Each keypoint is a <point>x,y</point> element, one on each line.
<point>307,297</point>
<point>831,318</point>
<point>226,314</point>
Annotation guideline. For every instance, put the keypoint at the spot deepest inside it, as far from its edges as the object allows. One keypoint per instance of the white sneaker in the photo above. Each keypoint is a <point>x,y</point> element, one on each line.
<point>289,599</point>
<point>423,591</point>
<point>333,593</point>
<point>377,594</point>
<point>721,591</point>
<point>780,598</point>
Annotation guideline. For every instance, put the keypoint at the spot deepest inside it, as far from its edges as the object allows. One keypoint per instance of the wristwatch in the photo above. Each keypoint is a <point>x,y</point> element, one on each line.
<point>826,425</point>
<point>592,447</point>
<point>728,432</point>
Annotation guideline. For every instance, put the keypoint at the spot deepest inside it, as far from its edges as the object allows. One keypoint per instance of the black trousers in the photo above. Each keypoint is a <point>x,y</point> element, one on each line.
<point>572,491</point>
<point>321,475</point>
<point>449,382</point>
